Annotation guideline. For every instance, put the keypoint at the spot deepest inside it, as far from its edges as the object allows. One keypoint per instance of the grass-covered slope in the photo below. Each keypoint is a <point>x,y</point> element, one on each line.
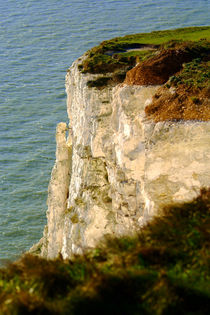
<point>165,269</point>
<point>113,54</point>
<point>177,59</point>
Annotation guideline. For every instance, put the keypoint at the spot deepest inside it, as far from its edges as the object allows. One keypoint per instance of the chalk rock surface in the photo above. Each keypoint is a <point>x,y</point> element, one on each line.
<point>116,169</point>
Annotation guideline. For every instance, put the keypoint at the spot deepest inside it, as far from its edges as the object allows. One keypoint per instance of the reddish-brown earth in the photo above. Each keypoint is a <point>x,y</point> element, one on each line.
<point>180,103</point>
<point>158,69</point>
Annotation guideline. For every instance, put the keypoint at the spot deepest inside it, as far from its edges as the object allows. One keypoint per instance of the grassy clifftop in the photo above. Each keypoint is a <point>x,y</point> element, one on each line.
<point>122,51</point>
<point>177,59</point>
<point>163,270</point>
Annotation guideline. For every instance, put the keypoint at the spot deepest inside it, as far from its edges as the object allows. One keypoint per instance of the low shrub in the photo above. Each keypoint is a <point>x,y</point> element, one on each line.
<point>164,269</point>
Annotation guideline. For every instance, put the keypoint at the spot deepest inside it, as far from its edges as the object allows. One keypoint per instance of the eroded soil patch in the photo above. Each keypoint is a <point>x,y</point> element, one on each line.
<point>180,103</point>
<point>158,69</point>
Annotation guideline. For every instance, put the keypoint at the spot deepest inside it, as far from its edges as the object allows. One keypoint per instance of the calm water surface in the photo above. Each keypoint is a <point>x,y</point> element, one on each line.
<point>38,42</point>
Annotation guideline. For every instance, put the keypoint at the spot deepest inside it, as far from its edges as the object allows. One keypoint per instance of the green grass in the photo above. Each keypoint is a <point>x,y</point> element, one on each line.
<point>162,37</point>
<point>142,55</point>
<point>165,269</point>
<point>194,74</point>
<point>98,61</point>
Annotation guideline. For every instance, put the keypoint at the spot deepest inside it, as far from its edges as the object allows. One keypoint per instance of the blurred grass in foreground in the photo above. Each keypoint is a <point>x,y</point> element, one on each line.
<point>165,269</point>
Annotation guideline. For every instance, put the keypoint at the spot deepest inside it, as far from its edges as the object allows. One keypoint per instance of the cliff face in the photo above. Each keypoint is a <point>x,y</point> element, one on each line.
<point>116,168</point>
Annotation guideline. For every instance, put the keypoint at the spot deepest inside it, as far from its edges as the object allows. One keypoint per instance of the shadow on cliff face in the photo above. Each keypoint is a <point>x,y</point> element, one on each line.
<point>162,270</point>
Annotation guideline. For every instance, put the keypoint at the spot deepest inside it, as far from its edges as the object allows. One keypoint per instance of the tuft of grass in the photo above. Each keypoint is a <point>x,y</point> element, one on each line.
<point>164,269</point>
<point>194,74</point>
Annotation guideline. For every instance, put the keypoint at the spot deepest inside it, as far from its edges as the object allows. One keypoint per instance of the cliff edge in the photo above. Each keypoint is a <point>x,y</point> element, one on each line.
<point>138,137</point>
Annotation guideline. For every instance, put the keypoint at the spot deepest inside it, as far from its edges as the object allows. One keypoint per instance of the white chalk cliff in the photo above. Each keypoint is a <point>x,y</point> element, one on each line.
<point>115,168</point>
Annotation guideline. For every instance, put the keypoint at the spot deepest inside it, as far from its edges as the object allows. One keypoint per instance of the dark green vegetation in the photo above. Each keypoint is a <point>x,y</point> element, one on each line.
<point>122,53</point>
<point>109,54</point>
<point>195,74</point>
<point>163,270</point>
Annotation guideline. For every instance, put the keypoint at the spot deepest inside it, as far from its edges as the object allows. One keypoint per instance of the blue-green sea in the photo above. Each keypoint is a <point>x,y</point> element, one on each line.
<point>39,40</point>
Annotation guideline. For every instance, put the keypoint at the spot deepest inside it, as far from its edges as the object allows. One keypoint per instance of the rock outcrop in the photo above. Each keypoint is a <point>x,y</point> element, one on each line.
<point>158,69</point>
<point>117,168</point>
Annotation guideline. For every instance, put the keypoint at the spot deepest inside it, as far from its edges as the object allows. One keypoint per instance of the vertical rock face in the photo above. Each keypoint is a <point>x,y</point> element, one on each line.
<point>117,168</point>
<point>58,192</point>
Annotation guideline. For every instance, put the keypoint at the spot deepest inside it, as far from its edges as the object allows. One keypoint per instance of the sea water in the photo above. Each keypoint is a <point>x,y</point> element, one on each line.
<point>39,40</point>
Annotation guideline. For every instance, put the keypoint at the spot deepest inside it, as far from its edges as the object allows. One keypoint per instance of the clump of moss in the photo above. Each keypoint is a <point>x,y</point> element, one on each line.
<point>165,269</point>
<point>74,218</point>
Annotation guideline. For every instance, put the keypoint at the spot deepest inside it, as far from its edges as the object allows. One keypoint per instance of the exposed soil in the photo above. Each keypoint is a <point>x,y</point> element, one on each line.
<point>181,103</point>
<point>186,94</point>
<point>183,67</point>
<point>158,69</point>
